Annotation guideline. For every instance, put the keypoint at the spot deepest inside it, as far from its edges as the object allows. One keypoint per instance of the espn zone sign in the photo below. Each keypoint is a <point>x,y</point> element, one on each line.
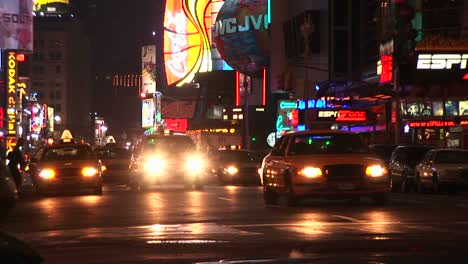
<point>342,115</point>
<point>456,62</point>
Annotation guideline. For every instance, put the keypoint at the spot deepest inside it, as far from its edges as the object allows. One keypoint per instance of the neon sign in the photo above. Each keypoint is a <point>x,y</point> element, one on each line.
<point>385,68</point>
<point>12,97</point>
<point>342,115</point>
<point>434,123</point>
<point>441,66</point>
<point>442,61</point>
<point>188,40</point>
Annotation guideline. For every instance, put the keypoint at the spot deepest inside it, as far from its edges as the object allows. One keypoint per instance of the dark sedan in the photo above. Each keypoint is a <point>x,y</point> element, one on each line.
<point>236,166</point>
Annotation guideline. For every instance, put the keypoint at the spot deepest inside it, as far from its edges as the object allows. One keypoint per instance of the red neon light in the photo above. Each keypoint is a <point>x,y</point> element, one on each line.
<point>349,115</point>
<point>20,57</point>
<point>177,124</point>
<point>2,117</point>
<point>465,77</point>
<point>264,87</point>
<point>295,117</point>
<point>387,68</point>
<point>237,89</point>
<point>434,123</point>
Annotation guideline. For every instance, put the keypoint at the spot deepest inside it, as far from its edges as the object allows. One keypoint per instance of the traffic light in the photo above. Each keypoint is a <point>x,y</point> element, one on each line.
<point>405,39</point>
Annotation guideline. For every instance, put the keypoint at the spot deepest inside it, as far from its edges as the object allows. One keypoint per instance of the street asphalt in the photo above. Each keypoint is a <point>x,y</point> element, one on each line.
<point>173,225</point>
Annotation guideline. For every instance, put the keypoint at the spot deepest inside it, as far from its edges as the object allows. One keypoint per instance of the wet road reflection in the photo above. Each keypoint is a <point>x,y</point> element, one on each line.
<point>226,215</point>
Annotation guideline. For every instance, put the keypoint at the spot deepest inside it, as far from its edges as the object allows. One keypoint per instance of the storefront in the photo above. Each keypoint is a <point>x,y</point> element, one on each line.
<point>436,110</point>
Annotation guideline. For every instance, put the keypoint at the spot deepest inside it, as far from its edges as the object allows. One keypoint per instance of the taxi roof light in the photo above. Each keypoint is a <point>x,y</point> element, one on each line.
<point>66,137</point>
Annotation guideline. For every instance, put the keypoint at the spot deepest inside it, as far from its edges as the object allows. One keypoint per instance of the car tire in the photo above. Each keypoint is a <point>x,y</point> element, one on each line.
<point>381,199</point>
<point>289,196</point>
<point>420,188</point>
<point>98,190</point>
<point>436,188</point>
<point>394,186</point>
<point>270,197</point>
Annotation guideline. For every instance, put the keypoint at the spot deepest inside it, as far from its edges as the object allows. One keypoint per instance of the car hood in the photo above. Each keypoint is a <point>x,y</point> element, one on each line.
<point>451,166</point>
<point>335,159</point>
<point>67,164</point>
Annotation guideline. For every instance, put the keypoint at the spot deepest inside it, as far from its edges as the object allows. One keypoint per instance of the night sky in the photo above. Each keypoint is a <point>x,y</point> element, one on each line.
<point>118,29</point>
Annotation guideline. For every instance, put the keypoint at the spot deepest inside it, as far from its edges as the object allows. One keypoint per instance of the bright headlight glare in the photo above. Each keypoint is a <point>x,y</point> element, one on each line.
<point>232,170</point>
<point>195,164</point>
<point>104,168</point>
<point>89,171</point>
<point>154,165</point>
<point>47,174</point>
<point>376,171</point>
<point>311,172</point>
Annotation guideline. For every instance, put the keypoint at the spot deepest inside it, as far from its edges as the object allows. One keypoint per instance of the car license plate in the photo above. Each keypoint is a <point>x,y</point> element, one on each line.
<point>346,186</point>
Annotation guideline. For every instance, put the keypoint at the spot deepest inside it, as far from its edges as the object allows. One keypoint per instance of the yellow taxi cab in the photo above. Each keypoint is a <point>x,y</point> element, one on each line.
<point>166,158</point>
<point>66,166</point>
<point>323,164</point>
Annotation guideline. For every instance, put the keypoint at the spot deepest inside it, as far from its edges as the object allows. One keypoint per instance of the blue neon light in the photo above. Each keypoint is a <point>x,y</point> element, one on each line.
<point>300,128</point>
<point>301,104</point>
<point>269,11</point>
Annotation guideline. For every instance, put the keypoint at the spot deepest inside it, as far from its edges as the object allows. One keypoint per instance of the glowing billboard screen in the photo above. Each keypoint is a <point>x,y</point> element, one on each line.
<point>188,45</point>
<point>148,67</point>
<point>147,113</point>
<point>51,7</point>
<point>16,25</point>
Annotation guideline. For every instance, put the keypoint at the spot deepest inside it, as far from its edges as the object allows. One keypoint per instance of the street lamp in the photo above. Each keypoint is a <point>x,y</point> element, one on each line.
<point>57,119</point>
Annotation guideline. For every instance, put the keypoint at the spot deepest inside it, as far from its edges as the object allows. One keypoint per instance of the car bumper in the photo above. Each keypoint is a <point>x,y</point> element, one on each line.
<point>173,178</point>
<point>69,183</point>
<point>341,188</point>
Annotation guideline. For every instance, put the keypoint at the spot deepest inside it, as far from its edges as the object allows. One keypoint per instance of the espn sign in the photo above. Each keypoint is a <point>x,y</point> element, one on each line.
<point>442,61</point>
<point>447,63</point>
<point>342,115</point>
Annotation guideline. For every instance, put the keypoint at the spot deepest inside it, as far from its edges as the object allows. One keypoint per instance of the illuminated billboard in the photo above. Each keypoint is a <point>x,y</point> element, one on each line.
<point>147,113</point>
<point>16,25</point>
<point>148,67</point>
<point>188,45</point>
<point>51,7</point>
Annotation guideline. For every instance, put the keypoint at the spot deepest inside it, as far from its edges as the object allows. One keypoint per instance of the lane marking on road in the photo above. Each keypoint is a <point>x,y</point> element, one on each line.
<point>348,218</point>
<point>224,198</point>
<point>410,201</point>
<point>318,222</point>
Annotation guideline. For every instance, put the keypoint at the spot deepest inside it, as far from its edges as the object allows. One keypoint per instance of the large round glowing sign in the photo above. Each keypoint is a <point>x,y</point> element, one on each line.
<point>241,35</point>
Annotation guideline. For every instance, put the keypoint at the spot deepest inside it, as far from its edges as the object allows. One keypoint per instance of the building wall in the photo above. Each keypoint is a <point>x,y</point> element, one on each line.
<point>61,72</point>
<point>303,72</point>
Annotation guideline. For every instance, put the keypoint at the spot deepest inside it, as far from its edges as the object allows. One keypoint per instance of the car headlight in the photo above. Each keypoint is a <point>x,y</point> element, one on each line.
<point>376,171</point>
<point>47,174</point>
<point>103,168</point>
<point>155,165</point>
<point>310,172</point>
<point>89,171</point>
<point>231,170</point>
<point>195,164</point>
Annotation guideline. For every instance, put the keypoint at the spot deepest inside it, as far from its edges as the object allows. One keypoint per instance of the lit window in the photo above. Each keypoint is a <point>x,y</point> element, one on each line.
<point>225,117</point>
<point>241,116</point>
<point>234,116</point>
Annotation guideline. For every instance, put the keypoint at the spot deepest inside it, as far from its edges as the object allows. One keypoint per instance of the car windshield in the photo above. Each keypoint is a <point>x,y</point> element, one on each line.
<point>413,155</point>
<point>383,151</point>
<point>113,153</point>
<point>68,153</point>
<point>169,143</point>
<point>451,157</point>
<point>327,144</point>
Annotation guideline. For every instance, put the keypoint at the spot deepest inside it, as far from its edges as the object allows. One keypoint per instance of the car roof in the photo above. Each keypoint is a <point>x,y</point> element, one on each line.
<point>321,131</point>
<point>449,149</point>
<point>70,145</point>
<point>414,146</point>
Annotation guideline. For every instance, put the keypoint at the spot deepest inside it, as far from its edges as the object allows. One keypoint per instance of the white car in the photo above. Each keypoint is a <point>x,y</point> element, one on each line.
<point>441,168</point>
